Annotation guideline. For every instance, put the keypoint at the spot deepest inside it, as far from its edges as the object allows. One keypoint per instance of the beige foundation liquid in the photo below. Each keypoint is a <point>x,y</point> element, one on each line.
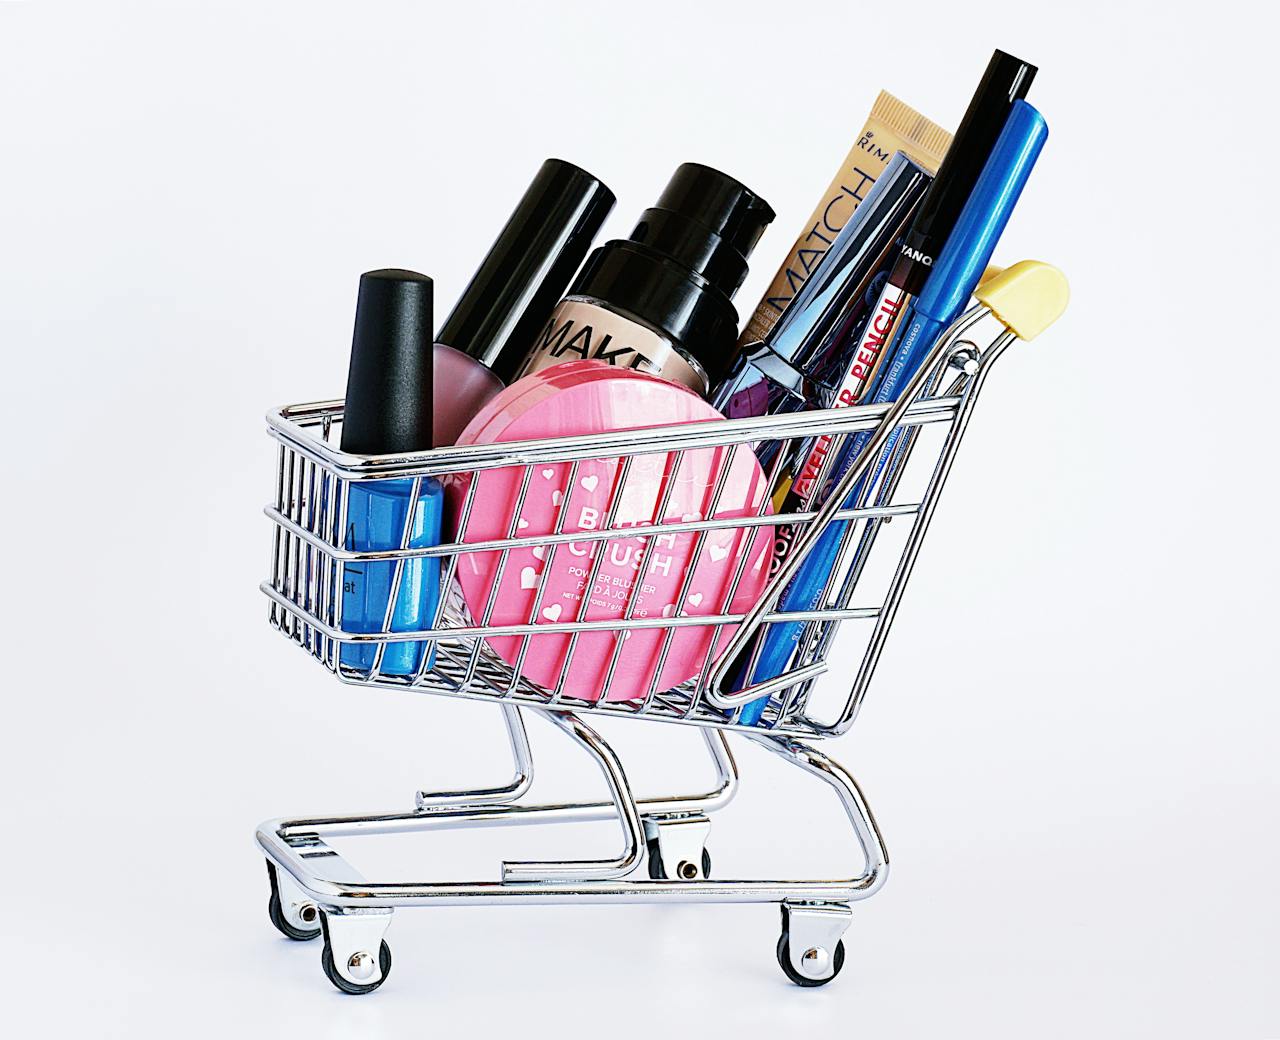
<point>587,330</point>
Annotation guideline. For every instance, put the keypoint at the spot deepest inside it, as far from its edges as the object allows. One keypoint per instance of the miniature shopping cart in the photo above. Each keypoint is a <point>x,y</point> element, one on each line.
<point>315,892</point>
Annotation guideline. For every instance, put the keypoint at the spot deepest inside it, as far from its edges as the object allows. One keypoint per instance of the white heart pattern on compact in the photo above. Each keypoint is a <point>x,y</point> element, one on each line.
<point>556,498</point>
<point>540,552</point>
<point>695,599</point>
<point>528,578</point>
<point>591,482</point>
<point>688,518</point>
<point>717,552</point>
<point>552,613</point>
<point>548,473</point>
<point>521,524</point>
<point>668,610</point>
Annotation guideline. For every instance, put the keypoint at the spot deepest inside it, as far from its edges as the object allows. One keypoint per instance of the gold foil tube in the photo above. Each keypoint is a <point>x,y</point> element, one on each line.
<point>892,126</point>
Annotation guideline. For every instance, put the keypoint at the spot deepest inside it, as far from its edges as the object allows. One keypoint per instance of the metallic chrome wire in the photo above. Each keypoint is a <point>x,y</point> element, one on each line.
<point>299,847</point>
<point>278,533</point>
<point>295,425</point>
<point>627,811</point>
<point>393,596</point>
<point>339,537</point>
<point>819,635</point>
<point>517,669</point>
<point>492,598</point>
<point>516,788</point>
<point>910,552</point>
<point>309,554</point>
<point>604,534</point>
<point>659,514</point>
<point>890,421</point>
<point>687,579</point>
<point>584,605</point>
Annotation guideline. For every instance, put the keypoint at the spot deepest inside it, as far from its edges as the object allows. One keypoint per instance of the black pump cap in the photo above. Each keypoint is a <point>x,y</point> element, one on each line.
<point>389,383</point>
<point>698,200</point>
<point>1006,80</point>
<point>684,261</point>
<point>525,272</point>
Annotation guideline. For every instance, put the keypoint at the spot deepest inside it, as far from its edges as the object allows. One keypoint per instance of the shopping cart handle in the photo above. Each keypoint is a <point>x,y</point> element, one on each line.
<point>1027,297</point>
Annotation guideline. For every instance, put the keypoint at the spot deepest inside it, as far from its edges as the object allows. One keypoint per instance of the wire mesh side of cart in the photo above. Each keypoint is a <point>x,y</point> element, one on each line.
<point>310,551</point>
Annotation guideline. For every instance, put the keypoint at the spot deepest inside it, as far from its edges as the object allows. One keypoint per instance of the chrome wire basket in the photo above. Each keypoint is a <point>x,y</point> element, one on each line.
<point>310,558</point>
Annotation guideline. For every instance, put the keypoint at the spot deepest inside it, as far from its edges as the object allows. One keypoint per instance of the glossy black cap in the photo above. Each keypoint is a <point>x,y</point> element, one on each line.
<point>389,385</point>
<point>526,270</point>
<point>1006,80</point>
<point>684,261</point>
<point>707,221</point>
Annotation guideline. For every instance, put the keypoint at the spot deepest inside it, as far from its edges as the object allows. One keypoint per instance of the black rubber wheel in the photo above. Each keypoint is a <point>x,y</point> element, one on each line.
<point>384,959</point>
<point>784,962</point>
<point>658,872</point>
<point>276,912</point>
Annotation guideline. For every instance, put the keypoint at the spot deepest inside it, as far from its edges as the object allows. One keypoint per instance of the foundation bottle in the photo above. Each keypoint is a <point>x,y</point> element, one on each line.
<point>660,301</point>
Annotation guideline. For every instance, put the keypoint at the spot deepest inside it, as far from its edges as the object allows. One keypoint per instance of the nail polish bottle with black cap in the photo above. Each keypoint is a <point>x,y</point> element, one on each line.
<point>661,301</point>
<point>482,343</point>
<point>388,411</point>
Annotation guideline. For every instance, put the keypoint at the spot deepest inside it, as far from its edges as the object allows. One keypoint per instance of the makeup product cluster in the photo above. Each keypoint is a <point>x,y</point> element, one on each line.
<point>557,337</point>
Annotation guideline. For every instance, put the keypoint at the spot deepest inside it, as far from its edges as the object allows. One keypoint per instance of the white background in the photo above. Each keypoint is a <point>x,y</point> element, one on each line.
<point>1071,744</point>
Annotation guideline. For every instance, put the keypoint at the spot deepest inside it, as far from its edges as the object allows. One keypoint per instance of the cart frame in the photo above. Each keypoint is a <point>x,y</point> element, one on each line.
<point>314,891</point>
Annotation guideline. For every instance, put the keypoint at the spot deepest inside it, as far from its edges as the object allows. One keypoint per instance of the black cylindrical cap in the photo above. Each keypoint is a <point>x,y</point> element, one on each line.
<point>389,383</point>
<point>708,221</point>
<point>684,261</point>
<point>525,272</point>
<point>1006,80</point>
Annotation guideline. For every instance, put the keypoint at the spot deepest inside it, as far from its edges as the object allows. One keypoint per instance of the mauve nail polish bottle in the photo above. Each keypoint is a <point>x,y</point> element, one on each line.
<point>482,344</point>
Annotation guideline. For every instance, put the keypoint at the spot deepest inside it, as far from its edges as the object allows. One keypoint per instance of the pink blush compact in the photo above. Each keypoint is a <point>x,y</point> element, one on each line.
<point>593,579</point>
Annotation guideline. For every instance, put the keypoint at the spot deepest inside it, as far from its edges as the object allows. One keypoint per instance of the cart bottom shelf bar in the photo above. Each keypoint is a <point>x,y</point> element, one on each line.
<point>296,846</point>
<point>330,893</point>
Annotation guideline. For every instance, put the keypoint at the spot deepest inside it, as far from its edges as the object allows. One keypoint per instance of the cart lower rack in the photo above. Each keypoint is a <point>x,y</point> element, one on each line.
<point>315,892</point>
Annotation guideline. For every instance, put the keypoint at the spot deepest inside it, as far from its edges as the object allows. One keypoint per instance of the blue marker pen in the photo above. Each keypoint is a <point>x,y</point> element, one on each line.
<point>389,410</point>
<point>955,275</point>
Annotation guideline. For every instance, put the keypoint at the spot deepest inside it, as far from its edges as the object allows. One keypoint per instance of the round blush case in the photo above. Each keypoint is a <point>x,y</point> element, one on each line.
<point>644,575</point>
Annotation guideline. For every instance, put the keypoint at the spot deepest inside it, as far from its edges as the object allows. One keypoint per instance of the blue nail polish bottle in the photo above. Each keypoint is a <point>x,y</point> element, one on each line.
<point>376,513</point>
<point>388,411</point>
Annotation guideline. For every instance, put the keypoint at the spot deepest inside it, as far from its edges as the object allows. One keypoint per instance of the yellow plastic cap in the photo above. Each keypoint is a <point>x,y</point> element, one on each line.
<point>991,271</point>
<point>1028,297</point>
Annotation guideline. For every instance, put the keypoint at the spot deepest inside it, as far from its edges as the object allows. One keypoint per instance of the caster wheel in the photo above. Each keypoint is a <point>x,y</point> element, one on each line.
<point>275,910</point>
<point>330,969</point>
<point>784,962</point>
<point>658,872</point>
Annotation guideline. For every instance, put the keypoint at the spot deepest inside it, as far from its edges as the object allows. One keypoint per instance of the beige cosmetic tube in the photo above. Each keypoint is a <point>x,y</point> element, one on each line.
<point>892,126</point>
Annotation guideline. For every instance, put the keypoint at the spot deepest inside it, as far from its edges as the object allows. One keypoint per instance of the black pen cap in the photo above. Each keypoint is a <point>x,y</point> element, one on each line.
<point>527,268</point>
<point>1006,80</point>
<point>389,385</point>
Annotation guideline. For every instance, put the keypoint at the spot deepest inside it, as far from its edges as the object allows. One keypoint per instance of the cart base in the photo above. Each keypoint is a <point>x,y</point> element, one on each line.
<point>317,893</point>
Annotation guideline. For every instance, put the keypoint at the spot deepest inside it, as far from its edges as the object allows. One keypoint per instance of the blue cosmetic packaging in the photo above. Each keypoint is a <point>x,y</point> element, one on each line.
<point>376,515</point>
<point>389,411</point>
